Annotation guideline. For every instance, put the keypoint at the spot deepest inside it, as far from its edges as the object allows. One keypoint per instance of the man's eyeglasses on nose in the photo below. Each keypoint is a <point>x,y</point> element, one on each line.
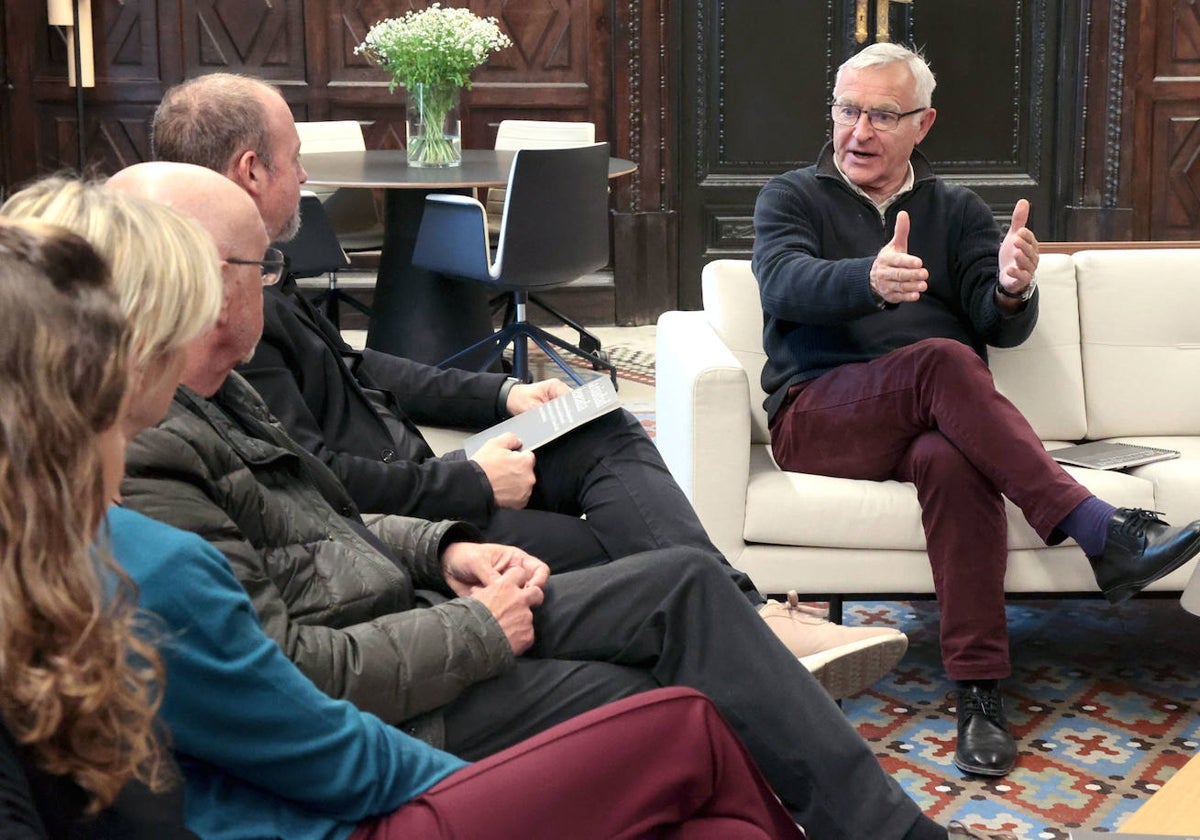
<point>880,120</point>
<point>271,265</point>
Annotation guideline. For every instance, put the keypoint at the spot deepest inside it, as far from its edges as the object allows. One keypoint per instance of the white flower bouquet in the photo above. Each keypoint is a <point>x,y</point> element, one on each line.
<point>433,46</point>
<point>432,53</point>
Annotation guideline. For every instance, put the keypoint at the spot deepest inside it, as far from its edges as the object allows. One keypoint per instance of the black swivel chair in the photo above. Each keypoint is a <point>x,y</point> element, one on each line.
<point>314,251</point>
<point>554,229</point>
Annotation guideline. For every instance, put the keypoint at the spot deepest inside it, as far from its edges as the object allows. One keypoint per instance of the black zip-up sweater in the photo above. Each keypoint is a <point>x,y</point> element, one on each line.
<point>815,241</point>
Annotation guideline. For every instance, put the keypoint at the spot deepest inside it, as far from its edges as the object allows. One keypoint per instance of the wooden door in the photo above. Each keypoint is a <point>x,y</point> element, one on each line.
<point>757,79</point>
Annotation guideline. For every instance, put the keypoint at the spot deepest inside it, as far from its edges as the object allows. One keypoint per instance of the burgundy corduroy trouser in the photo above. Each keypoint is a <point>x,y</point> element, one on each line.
<point>929,413</point>
<point>663,764</point>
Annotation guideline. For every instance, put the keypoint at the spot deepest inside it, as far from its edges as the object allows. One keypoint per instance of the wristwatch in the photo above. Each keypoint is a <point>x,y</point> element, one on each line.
<point>1023,295</point>
<point>502,396</point>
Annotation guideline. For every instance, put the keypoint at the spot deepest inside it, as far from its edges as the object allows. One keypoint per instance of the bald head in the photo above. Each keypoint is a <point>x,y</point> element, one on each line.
<point>232,219</point>
<point>216,202</point>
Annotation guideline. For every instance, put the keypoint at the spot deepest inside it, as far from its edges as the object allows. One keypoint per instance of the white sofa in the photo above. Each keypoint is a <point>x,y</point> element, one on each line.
<point>1115,355</point>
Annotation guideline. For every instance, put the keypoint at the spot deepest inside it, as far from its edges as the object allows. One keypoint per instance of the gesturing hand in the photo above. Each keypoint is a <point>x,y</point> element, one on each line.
<point>523,397</point>
<point>508,471</point>
<point>896,275</point>
<point>1018,252</point>
<point>512,604</point>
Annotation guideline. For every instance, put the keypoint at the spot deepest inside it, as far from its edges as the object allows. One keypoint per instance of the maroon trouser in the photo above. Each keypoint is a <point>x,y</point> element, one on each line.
<point>663,764</point>
<point>929,413</point>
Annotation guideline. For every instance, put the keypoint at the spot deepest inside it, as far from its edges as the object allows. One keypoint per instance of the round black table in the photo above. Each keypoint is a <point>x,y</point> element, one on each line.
<point>417,313</point>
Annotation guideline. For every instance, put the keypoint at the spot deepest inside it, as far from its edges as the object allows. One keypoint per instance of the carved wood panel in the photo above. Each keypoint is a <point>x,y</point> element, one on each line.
<point>262,38</point>
<point>5,107</point>
<point>1175,160</point>
<point>1166,201</point>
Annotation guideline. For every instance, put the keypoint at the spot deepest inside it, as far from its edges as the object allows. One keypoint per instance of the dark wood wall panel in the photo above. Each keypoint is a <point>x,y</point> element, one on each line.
<point>5,119</point>
<point>1175,160</point>
<point>259,37</point>
<point>1091,107</point>
<point>561,67</point>
<point>1167,200</point>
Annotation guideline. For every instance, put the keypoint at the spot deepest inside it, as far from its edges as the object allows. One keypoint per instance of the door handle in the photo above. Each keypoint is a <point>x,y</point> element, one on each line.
<point>882,29</point>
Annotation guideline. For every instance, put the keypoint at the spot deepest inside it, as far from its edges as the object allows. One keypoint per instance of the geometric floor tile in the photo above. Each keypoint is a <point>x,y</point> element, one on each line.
<point>1104,702</point>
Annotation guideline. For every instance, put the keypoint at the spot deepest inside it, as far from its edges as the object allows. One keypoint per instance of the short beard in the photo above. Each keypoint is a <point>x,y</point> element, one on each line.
<point>290,229</point>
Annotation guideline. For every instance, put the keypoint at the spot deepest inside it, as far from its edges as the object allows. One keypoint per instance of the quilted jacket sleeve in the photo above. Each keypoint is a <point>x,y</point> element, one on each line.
<point>337,607</point>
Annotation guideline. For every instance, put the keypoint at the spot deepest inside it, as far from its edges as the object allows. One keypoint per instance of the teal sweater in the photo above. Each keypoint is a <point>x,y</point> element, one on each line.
<point>264,753</point>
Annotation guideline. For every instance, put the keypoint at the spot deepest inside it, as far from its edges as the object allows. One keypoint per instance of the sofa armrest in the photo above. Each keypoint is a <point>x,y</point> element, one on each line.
<point>703,424</point>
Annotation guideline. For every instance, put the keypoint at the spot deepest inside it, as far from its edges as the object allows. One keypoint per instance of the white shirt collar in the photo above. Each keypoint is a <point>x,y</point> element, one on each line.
<point>881,206</point>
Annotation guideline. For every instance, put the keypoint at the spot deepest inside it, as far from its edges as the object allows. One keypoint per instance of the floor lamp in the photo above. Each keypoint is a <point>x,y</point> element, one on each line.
<point>75,16</point>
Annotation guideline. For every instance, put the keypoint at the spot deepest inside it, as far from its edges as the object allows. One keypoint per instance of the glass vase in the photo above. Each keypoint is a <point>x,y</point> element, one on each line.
<point>434,129</point>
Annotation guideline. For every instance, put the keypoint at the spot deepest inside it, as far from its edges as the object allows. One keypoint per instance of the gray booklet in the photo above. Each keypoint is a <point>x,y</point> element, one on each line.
<point>549,420</point>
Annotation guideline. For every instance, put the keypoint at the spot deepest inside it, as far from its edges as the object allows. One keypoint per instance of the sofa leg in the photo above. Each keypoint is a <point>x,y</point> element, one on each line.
<point>835,609</point>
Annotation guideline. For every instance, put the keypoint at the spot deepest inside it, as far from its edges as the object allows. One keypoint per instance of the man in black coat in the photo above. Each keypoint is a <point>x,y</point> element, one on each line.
<point>597,494</point>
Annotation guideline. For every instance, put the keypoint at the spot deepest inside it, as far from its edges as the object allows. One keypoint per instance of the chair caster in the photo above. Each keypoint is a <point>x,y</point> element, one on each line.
<point>588,343</point>
<point>603,362</point>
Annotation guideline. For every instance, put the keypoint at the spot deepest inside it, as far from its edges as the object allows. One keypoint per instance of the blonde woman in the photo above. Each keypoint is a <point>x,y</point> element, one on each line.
<point>79,689</point>
<point>164,268</point>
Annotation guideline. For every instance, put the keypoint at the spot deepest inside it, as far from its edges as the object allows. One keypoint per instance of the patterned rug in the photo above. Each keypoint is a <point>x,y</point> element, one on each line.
<point>1103,702</point>
<point>633,365</point>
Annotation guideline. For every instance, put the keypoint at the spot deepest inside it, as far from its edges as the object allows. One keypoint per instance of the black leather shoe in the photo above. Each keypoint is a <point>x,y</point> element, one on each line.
<point>1141,548</point>
<point>985,746</point>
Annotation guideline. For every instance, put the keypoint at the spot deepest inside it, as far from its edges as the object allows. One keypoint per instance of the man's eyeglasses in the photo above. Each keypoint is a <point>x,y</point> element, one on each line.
<point>880,120</point>
<point>271,265</point>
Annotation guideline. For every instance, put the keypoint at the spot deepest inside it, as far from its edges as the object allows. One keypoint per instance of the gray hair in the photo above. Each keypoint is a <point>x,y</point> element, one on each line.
<point>879,55</point>
<point>211,121</point>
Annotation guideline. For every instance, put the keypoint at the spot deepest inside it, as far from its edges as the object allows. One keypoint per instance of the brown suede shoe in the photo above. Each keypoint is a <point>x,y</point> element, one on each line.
<point>845,660</point>
<point>957,829</point>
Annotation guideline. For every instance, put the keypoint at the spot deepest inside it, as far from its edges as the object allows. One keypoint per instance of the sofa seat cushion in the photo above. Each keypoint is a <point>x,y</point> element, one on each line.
<point>1176,482</point>
<point>798,509</point>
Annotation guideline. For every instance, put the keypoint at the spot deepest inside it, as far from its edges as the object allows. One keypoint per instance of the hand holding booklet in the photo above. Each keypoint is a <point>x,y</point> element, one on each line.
<point>554,418</point>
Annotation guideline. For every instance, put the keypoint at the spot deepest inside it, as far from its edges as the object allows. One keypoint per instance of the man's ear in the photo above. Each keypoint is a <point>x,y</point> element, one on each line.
<point>246,171</point>
<point>927,118</point>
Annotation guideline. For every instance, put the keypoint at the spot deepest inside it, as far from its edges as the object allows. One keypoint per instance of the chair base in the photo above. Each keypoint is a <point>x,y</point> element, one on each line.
<point>329,301</point>
<point>519,334</point>
<point>588,342</point>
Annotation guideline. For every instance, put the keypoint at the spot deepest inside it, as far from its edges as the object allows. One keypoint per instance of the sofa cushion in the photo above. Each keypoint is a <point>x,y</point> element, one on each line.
<point>788,508</point>
<point>1139,317</point>
<point>1176,482</point>
<point>1044,375</point>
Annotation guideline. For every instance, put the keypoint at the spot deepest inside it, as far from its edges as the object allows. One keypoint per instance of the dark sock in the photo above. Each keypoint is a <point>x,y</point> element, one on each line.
<point>926,829</point>
<point>1088,525</point>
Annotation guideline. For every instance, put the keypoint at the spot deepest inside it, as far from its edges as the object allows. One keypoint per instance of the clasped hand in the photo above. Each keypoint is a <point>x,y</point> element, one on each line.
<point>507,580</point>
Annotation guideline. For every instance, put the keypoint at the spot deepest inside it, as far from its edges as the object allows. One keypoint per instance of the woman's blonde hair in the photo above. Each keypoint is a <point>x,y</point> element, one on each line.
<point>169,283</point>
<point>78,687</point>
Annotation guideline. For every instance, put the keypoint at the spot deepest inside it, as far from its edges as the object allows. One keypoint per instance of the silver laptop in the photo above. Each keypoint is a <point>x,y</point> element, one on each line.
<point>1100,455</point>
